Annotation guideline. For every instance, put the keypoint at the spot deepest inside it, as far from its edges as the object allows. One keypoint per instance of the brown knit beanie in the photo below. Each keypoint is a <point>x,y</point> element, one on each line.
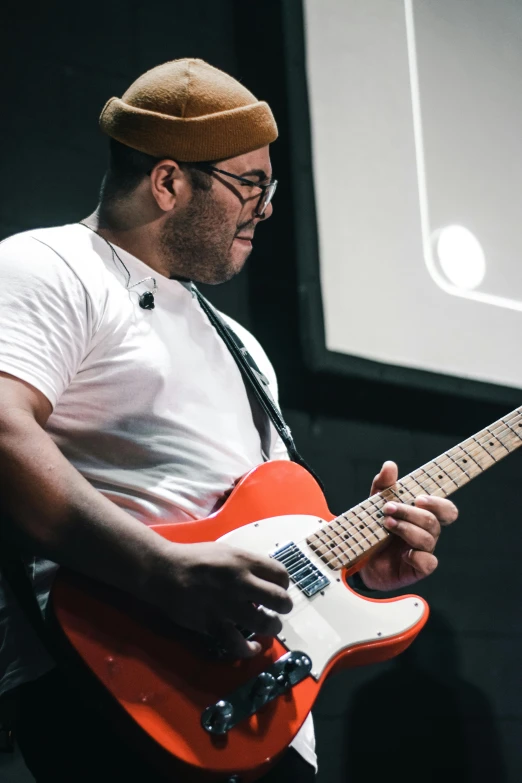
<point>188,110</point>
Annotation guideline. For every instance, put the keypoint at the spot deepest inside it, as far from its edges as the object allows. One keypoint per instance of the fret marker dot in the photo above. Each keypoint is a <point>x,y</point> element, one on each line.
<point>490,443</point>
<point>361,527</point>
<point>440,477</point>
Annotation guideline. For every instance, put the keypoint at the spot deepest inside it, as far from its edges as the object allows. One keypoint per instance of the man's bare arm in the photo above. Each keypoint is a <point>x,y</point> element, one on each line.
<point>53,512</point>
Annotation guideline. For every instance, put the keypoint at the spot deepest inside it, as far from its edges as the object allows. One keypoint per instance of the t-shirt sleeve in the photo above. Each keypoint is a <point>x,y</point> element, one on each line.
<point>45,316</point>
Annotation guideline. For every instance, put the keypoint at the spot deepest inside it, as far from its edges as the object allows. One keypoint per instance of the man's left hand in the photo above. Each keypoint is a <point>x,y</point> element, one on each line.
<point>408,555</point>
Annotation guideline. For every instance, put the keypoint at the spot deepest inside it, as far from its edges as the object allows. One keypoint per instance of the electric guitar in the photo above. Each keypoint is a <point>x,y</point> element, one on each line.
<point>229,720</point>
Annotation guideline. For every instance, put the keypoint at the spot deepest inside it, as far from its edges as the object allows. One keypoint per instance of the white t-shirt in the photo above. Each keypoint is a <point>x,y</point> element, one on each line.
<point>148,405</point>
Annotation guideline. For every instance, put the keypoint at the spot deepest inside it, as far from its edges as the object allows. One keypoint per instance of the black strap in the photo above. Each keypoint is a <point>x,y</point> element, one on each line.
<point>255,380</point>
<point>11,564</point>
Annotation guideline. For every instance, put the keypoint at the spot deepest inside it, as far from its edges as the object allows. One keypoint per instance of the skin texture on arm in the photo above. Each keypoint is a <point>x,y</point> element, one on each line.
<point>53,512</point>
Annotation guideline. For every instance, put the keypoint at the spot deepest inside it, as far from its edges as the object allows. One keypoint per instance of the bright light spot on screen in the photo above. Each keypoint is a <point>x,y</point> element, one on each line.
<point>460,256</point>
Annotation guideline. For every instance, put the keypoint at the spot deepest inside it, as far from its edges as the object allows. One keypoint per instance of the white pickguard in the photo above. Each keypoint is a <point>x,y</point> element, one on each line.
<point>326,623</point>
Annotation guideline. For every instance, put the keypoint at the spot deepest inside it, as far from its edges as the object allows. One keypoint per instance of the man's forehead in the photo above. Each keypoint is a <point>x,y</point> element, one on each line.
<point>255,163</point>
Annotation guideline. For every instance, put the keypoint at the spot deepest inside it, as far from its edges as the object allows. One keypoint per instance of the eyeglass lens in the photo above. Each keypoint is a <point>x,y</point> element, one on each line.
<point>266,197</point>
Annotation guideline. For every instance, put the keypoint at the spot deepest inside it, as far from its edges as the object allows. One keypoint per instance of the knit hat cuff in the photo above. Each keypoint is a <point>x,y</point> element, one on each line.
<point>217,136</point>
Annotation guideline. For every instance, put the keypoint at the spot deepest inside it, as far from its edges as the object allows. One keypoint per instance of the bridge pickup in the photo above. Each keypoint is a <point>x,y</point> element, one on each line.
<point>305,575</point>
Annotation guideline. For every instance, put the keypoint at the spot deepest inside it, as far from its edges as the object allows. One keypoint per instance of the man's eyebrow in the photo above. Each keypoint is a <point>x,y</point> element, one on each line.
<point>256,173</point>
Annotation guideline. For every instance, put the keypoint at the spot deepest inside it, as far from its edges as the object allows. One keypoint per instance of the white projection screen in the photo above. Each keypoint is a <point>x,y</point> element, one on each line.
<point>415,112</point>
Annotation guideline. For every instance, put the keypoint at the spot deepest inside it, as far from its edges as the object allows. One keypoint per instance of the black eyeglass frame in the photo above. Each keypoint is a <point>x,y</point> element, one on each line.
<point>267,191</point>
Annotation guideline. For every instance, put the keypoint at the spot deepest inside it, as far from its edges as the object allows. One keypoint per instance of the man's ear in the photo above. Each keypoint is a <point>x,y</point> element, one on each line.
<point>167,183</point>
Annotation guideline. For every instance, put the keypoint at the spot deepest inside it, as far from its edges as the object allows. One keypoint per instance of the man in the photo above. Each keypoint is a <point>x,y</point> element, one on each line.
<point>115,413</point>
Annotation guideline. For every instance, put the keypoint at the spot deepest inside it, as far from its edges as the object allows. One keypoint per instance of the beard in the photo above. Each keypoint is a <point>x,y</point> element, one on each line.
<point>196,242</point>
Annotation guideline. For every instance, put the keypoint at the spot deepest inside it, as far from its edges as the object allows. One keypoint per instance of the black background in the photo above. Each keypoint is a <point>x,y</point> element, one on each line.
<point>448,709</point>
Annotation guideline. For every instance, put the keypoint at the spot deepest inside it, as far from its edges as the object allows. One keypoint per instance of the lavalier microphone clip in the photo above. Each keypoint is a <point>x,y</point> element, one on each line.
<point>146,299</point>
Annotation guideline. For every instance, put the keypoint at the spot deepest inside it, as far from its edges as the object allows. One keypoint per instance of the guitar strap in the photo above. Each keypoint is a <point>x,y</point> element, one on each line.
<point>262,403</point>
<point>264,408</point>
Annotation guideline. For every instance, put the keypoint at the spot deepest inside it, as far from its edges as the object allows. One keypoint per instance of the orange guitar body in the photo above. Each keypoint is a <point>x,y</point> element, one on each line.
<point>164,680</point>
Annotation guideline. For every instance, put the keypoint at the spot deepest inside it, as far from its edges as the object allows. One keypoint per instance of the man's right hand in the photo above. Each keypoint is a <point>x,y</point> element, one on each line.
<point>211,588</point>
<point>55,513</point>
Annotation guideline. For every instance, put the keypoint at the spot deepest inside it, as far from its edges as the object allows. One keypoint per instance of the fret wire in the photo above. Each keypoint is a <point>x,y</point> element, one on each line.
<point>468,454</point>
<point>503,425</point>
<point>442,464</point>
<point>486,436</point>
<point>373,502</point>
<point>329,551</point>
<point>355,530</point>
<point>505,431</point>
<point>495,437</point>
<point>379,529</point>
<point>457,464</point>
<point>332,545</point>
<point>421,483</point>
<point>366,527</point>
<point>509,432</point>
<point>497,426</point>
<point>475,451</point>
<point>430,478</point>
<point>353,537</point>
<point>363,519</point>
<point>432,466</point>
<point>365,538</point>
<point>450,477</point>
<point>342,544</point>
<point>483,449</point>
<point>513,430</point>
<point>409,491</point>
<point>378,506</point>
<point>402,483</point>
<point>390,491</point>
<point>412,477</point>
<point>361,533</point>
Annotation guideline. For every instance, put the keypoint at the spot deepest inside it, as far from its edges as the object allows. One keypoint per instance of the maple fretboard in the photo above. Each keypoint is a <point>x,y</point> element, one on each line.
<point>351,536</point>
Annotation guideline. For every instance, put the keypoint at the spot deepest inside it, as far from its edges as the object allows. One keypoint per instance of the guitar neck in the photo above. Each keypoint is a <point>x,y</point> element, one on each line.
<point>353,535</point>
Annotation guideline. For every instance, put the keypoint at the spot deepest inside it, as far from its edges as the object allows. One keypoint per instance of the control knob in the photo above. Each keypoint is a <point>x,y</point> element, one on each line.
<point>216,719</point>
<point>264,685</point>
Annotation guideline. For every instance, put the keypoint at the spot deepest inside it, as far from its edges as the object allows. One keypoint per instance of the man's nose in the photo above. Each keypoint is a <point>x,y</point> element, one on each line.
<point>267,213</point>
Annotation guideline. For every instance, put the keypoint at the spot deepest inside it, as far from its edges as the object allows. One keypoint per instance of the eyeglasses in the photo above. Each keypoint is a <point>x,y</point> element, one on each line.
<point>267,191</point>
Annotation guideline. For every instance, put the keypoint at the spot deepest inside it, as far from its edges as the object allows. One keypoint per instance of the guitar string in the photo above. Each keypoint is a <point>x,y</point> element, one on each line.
<point>440,463</point>
<point>498,428</point>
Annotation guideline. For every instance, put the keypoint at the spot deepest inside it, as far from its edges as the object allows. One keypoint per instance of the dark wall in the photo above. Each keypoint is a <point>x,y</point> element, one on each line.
<point>450,708</point>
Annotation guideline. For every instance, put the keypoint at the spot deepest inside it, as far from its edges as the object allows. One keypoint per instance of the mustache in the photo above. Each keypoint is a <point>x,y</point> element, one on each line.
<point>249,224</point>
